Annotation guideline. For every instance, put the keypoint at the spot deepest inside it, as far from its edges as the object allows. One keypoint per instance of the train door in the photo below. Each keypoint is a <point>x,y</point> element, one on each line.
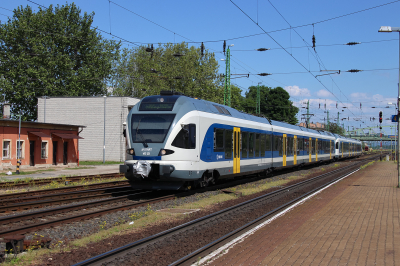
<point>316,150</point>
<point>295,150</point>
<point>236,150</point>
<point>310,150</point>
<point>342,149</point>
<point>284,149</point>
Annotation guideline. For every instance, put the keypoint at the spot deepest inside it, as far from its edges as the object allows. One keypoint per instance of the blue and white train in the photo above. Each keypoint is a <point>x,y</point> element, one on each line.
<point>179,142</point>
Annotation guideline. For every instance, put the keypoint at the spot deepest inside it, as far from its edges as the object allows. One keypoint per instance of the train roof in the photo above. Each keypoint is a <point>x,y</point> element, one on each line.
<point>216,108</point>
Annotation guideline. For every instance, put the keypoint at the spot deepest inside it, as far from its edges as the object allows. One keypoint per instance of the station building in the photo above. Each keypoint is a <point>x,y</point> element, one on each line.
<point>103,117</point>
<point>38,144</point>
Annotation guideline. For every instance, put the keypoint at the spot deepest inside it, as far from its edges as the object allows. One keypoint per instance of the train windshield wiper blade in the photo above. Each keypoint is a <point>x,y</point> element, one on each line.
<point>141,136</point>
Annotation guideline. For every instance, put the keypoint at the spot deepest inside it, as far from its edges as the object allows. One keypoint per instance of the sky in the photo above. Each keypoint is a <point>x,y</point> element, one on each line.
<point>285,27</point>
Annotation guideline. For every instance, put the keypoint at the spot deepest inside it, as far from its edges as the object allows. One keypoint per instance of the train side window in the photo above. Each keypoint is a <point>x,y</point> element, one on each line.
<point>268,144</point>
<point>262,145</point>
<point>278,141</point>
<point>228,144</point>
<point>306,145</point>
<point>251,145</point>
<point>186,137</point>
<point>258,143</point>
<point>290,145</point>
<point>244,144</point>
<point>313,146</point>
<point>218,140</point>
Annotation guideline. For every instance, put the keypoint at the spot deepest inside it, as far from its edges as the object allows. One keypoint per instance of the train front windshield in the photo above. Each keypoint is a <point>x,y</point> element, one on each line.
<point>150,128</point>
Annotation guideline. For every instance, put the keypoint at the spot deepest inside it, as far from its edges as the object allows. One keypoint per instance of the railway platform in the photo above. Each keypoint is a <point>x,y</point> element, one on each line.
<point>66,171</point>
<point>354,222</point>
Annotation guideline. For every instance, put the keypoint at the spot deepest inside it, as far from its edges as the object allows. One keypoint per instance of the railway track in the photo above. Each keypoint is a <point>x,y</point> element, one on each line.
<point>210,232</point>
<point>45,181</point>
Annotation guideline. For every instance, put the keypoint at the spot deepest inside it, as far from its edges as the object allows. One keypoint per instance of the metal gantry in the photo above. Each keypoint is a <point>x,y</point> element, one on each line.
<point>227,91</point>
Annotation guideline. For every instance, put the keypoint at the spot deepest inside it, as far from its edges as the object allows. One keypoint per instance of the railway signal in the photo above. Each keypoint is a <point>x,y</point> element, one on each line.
<point>380,117</point>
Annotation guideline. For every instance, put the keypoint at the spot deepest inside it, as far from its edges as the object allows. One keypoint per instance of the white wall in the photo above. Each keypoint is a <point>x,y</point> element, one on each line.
<point>89,112</point>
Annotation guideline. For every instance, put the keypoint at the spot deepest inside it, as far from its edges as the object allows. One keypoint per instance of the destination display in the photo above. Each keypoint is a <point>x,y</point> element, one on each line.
<point>156,106</point>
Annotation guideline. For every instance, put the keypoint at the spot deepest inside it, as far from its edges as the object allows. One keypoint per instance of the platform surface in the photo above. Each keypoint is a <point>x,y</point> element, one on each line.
<point>354,222</point>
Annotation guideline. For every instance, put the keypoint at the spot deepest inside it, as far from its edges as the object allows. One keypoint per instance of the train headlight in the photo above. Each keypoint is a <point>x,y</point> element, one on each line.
<point>165,152</point>
<point>130,151</point>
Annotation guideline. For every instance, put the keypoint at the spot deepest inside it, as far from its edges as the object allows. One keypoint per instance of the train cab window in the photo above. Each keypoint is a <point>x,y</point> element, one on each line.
<point>268,144</point>
<point>258,143</point>
<point>251,144</point>
<point>337,145</point>
<point>186,137</point>
<point>218,140</point>
<point>263,145</point>
<point>228,144</point>
<point>245,139</point>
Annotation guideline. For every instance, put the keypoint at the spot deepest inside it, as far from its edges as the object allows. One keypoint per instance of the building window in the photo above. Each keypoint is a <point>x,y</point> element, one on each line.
<point>6,149</point>
<point>20,149</point>
<point>44,150</point>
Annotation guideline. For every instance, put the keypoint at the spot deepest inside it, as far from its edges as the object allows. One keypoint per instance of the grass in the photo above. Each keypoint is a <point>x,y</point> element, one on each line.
<point>97,162</point>
<point>27,172</point>
<point>55,184</point>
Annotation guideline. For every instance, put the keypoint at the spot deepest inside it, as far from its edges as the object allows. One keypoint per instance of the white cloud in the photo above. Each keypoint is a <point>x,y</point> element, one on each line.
<point>324,93</point>
<point>296,91</point>
<point>359,95</point>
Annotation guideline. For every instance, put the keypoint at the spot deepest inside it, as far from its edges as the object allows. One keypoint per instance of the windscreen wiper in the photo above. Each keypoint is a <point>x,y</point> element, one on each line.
<point>141,136</point>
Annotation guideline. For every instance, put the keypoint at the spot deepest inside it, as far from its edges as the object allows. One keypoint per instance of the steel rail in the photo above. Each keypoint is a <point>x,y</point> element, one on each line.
<point>54,200</point>
<point>65,195</point>
<point>30,228</point>
<point>111,184</point>
<point>38,214</point>
<point>121,251</point>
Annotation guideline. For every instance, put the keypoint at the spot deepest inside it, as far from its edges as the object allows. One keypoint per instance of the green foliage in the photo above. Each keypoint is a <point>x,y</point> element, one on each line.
<point>53,52</point>
<point>140,73</point>
<point>334,128</point>
<point>275,104</point>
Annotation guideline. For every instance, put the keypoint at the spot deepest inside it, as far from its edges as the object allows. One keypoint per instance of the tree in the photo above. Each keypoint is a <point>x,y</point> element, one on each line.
<point>53,52</point>
<point>334,128</point>
<point>275,104</point>
<point>144,71</point>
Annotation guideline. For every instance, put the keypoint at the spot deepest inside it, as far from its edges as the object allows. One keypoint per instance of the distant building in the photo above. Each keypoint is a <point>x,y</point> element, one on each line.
<point>38,144</point>
<point>95,113</point>
<point>313,126</point>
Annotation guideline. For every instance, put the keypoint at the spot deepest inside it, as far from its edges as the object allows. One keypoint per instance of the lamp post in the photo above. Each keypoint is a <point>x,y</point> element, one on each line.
<point>395,135</point>
<point>395,29</point>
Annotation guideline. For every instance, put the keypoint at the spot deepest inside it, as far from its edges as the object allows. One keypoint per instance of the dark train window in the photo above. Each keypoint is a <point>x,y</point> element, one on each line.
<point>228,144</point>
<point>258,143</point>
<point>278,140</point>
<point>306,145</point>
<point>262,145</point>
<point>244,144</point>
<point>313,146</point>
<point>251,145</point>
<point>268,145</point>
<point>186,137</point>
<point>219,139</point>
<point>290,145</point>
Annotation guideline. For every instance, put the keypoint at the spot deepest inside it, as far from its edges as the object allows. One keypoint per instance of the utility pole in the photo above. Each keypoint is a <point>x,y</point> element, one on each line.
<point>227,92</point>
<point>338,120</point>
<point>327,120</point>
<point>308,113</point>
<point>258,106</point>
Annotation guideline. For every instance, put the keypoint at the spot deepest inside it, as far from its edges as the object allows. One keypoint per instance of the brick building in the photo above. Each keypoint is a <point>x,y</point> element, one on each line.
<point>39,144</point>
<point>96,113</point>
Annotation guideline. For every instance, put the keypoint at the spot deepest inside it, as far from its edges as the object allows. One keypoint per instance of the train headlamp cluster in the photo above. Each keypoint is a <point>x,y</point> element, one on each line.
<point>130,151</point>
<point>165,152</point>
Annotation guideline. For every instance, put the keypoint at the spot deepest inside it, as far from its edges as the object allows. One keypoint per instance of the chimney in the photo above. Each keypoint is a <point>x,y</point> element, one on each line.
<point>6,111</point>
